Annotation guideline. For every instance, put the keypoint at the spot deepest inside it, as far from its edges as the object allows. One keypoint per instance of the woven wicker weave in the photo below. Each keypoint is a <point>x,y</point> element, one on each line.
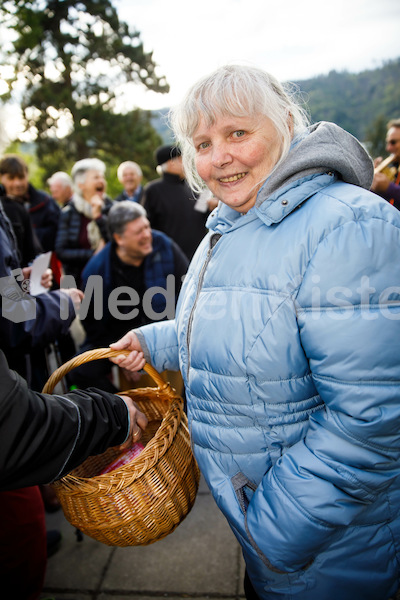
<point>145,500</point>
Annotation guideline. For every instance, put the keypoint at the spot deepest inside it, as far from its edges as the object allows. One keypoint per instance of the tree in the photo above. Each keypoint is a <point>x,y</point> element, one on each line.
<point>376,137</point>
<point>355,101</point>
<point>77,60</point>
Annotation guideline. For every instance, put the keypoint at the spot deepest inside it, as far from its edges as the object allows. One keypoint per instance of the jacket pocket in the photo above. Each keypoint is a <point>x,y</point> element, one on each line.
<point>244,490</point>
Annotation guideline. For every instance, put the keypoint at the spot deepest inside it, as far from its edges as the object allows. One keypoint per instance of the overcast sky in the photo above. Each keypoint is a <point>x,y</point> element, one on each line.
<point>292,39</point>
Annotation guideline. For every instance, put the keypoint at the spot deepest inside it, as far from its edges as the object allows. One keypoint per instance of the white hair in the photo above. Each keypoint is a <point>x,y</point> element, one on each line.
<point>62,177</point>
<point>238,91</point>
<point>80,168</point>
<point>132,165</point>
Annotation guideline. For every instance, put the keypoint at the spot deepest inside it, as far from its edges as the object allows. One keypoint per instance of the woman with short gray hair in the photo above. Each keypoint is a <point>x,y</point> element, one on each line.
<point>236,91</point>
<point>82,229</point>
<point>287,334</point>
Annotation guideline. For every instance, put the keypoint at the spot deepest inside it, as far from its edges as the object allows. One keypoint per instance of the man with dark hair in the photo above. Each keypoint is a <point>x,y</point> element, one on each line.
<point>43,210</point>
<point>136,285</point>
<point>386,182</point>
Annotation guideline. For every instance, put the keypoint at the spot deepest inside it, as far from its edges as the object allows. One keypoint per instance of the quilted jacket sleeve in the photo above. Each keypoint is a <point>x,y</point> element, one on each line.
<point>348,312</point>
<point>160,345</point>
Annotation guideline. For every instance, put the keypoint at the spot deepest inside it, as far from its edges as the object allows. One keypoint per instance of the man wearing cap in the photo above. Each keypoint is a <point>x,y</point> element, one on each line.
<point>170,204</point>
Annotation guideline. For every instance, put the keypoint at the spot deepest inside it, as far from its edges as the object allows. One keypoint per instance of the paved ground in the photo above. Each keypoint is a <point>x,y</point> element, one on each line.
<point>201,559</point>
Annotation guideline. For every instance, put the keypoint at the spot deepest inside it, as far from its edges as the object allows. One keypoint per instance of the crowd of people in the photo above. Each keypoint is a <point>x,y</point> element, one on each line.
<point>263,266</point>
<point>86,232</point>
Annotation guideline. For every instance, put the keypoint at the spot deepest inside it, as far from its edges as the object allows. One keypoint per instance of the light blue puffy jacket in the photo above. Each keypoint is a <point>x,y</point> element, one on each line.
<point>288,337</point>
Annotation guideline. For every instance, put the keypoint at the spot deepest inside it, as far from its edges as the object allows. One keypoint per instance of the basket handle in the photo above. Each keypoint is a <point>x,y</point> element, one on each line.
<point>97,354</point>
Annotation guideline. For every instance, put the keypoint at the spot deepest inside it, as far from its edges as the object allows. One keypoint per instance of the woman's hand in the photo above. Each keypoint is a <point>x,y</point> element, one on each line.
<point>138,422</point>
<point>134,361</point>
<point>96,203</point>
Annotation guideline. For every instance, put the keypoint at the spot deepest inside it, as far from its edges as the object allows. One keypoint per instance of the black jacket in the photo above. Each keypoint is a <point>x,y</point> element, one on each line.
<point>26,322</point>
<point>68,250</point>
<point>44,213</point>
<point>27,241</point>
<point>169,203</point>
<point>43,437</point>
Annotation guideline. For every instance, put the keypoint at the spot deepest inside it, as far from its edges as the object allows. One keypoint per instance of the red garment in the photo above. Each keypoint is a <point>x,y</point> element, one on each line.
<point>23,551</point>
<point>83,233</point>
<point>56,267</point>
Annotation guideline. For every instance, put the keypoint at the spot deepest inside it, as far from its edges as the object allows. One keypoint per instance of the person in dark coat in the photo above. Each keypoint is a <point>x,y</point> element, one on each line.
<point>82,229</point>
<point>42,438</point>
<point>28,244</point>
<point>42,209</point>
<point>171,205</point>
<point>26,324</point>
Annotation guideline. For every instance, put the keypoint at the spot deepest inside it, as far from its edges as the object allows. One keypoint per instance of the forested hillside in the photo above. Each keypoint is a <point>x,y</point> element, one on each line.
<point>357,102</point>
<point>361,103</point>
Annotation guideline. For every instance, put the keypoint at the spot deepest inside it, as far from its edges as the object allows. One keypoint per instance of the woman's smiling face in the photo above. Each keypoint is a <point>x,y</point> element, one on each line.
<point>235,155</point>
<point>94,183</point>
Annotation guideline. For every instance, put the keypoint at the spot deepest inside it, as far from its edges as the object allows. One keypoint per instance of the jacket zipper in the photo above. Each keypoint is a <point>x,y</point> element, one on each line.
<point>213,240</point>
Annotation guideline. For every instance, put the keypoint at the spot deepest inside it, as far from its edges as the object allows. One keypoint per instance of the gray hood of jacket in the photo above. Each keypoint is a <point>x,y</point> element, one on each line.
<point>324,147</point>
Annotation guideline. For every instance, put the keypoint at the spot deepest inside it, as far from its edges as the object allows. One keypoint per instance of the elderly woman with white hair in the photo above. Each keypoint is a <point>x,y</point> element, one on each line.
<point>287,333</point>
<point>82,229</point>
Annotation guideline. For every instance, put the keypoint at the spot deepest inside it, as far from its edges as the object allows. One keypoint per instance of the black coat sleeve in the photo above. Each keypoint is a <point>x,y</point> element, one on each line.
<point>43,437</point>
<point>181,263</point>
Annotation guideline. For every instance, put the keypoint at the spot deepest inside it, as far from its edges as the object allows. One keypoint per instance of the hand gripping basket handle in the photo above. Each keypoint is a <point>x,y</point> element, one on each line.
<point>97,354</point>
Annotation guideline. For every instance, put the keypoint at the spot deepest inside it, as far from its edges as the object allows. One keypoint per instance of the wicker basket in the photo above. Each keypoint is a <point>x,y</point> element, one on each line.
<point>146,499</point>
